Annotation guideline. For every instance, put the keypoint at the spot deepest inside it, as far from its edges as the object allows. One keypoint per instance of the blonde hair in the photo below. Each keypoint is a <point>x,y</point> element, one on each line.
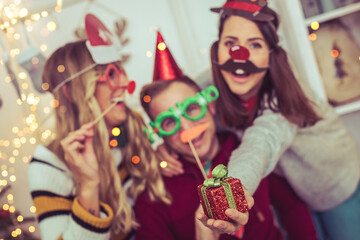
<point>77,106</point>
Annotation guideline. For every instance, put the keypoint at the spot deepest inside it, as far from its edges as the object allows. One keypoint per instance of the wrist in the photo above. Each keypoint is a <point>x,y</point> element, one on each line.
<point>92,207</point>
<point>89,200</point>
<point>89,191</point>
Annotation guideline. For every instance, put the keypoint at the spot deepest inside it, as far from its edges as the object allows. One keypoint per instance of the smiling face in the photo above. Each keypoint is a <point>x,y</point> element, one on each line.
<point>106,95</point>
<point>241,31</point>
<point>206,144</point>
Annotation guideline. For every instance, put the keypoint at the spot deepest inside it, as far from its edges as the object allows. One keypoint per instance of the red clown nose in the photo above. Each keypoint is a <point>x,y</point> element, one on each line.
<point>131,87</point>
<point>239,53</point>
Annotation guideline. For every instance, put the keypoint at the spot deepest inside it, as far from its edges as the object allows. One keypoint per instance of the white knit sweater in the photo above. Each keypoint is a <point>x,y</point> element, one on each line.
<point>59,213</point>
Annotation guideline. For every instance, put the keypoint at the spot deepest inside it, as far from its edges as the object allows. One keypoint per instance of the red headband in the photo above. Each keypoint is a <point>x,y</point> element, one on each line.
<point>242,6</point>
<point>250,9</point>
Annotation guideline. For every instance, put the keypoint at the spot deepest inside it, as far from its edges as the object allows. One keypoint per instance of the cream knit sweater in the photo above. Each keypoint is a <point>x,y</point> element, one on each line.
<point>58,211</point>
<point>321,162</point>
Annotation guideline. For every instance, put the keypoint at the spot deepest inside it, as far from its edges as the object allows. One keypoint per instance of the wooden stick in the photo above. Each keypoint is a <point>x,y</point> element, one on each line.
<point>197,159</point>
<point>104,112</point>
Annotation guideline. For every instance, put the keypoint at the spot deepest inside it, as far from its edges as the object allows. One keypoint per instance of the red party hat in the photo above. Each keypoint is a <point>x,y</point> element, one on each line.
<point>165,67</point>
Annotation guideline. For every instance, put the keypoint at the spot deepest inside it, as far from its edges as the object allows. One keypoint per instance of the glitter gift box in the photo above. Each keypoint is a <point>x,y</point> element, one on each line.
<point>220,193</point>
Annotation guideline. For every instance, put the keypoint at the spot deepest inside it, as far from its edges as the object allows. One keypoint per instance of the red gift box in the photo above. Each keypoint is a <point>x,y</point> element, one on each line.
<point>220,193</point>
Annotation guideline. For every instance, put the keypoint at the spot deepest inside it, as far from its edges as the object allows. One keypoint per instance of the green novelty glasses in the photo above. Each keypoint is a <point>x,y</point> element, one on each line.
<point>193,108</point>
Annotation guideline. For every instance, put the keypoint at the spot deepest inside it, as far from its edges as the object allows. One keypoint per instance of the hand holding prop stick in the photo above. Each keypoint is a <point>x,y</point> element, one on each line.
<point>191,134</point>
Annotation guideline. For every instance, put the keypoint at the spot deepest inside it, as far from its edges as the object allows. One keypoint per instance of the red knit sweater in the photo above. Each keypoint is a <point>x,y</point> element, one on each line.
<point>177,221</point>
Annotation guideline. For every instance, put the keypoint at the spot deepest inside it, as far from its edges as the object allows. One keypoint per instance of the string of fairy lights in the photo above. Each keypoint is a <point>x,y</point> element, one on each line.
<point>27,133</point>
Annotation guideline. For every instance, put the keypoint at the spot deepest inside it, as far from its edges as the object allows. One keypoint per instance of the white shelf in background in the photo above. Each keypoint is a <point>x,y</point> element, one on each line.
<point>339,12</point>
<point>348,108</point>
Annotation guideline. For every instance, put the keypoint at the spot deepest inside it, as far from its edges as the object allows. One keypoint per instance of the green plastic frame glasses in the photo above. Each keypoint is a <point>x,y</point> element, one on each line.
<point>193,108</point>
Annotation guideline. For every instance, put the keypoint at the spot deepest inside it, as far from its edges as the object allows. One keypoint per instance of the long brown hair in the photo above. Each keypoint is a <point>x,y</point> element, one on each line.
<point>280,90</point>
<point>77,106</point>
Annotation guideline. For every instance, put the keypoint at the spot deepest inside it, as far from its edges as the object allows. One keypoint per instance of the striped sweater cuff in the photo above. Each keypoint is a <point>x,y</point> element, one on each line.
<point>89,221</point>
<point>51,205</point>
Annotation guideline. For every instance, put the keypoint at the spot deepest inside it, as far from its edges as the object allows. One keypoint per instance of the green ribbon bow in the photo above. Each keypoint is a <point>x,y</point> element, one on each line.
<point>219,174</point>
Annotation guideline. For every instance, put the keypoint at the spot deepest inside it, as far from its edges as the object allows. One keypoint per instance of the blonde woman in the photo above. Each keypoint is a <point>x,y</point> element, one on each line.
<point>81,188</point>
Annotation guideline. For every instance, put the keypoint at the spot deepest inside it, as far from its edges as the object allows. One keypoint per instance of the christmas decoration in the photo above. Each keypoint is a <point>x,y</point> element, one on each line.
<point>220,193</point>
<point>339,64</point>
<point>337,56</point>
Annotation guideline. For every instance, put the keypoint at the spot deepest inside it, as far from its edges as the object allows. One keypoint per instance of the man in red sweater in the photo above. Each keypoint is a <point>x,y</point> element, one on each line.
<point>174,107</point>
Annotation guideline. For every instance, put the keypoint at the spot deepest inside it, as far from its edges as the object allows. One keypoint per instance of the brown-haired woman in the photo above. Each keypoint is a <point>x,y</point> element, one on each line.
<point>303,140</point>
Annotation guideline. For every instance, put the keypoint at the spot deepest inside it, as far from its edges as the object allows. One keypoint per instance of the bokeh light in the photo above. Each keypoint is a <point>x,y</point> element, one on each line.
<point>113,143</point>
<point>161,46</point>
<point>315,25</point>
<point>163,164</point>
<point>51,26</point>
<point>54,103</point>
<point>312,36</point>
<point>61,68</point>
<point>135,159</point>
<point>147,98</point>
<point>335,53</point>
<point>149,54</point>
<point>33,209</point>
<point>116,131</point>
<point>20,218</point>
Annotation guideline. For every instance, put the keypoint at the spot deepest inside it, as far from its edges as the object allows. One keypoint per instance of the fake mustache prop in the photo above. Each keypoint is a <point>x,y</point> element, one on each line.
<point>239,68</point>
